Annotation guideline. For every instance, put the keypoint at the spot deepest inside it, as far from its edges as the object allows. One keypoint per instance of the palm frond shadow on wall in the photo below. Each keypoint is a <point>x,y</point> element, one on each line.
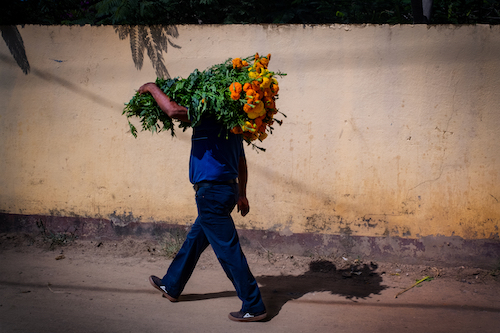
<point>14,41</point>
<point>152,40</point>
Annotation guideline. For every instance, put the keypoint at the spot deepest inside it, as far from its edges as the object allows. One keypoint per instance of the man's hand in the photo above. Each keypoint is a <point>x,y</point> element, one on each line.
<point>243,205</point>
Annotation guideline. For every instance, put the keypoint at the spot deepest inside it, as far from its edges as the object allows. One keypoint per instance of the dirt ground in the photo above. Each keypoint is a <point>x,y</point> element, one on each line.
<point>102,286</point>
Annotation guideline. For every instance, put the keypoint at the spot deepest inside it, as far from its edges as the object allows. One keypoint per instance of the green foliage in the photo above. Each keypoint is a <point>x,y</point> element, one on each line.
<point>209,86</point>
<point>257,11</point>
<point>466,12</point>
<point>48,12</point>
<point>203,93</point>
<point>169,12</point>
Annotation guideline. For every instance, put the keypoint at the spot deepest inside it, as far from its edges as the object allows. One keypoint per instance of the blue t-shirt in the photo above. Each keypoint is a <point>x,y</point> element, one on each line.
<point>215,152</point>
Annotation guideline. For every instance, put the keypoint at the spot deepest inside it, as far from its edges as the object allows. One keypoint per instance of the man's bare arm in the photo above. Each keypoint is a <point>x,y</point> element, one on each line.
<point>243,205</point>
<point>171,108</point>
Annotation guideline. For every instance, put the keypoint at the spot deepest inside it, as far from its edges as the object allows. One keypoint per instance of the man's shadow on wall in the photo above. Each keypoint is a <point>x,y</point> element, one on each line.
<point>357,281</point>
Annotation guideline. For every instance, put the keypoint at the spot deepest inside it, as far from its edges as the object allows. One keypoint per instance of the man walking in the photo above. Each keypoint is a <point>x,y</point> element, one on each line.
<point>218,170</point>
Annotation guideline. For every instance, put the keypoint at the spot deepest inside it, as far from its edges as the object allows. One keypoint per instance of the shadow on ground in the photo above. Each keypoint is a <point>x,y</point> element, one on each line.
<point>356,282</point>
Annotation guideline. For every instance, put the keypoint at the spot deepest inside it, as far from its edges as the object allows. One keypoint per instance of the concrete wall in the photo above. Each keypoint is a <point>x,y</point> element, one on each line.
<point>392,131</point>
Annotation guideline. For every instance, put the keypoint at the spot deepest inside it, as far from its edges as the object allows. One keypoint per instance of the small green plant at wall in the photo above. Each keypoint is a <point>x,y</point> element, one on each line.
<point>495,272</point>
<point>55,239</point>
<point>171,242</point>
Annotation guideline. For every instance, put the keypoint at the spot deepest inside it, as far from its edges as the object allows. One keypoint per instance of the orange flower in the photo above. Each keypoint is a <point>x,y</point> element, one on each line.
<point>261,125</point>
<point>258,121</point>
<point>258,67</point>
<point>238,63</point>
<point>254,95</point>
<point>254,91</point>
<point>264,61</point>
<point>270,104</point>
<point>259,95</point>
<point>275,88</point>
<point>237,130</point>
<point>247,108</point>
<point>268,92</point>
<point>259,90</point>
<point>250,93</point>
<point>235,89</point>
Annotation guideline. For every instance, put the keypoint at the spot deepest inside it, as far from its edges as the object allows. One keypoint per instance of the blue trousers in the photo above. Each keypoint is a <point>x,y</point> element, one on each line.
<point>215,226</point>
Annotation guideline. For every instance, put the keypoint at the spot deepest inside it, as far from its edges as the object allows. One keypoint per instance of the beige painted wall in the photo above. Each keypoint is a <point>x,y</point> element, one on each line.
<point>391,130</point>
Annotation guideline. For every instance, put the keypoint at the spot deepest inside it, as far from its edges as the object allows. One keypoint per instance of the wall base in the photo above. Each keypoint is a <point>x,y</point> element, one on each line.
<point>429,250</point>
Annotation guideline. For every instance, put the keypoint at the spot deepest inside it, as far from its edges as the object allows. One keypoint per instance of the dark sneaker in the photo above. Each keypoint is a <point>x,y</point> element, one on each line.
<point>247,316</point>
<point>156,282</point>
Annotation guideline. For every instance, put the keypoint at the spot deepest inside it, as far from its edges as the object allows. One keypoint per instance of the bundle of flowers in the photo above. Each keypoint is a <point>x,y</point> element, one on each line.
<point>240,93</point>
